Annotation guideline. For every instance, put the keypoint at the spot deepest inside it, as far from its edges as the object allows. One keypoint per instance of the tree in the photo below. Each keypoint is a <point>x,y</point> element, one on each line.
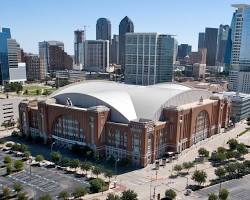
<point>96,171</point>
<point>26,92</point>
<point>212,196</point>
<point>221,150</point>
<point>6,192</point>
<point>27,154</point>
<point>232,144</point>
<point>220,172</point>
<point>188,165</point>
<point>39,158</point>
<point>220,157</point>
<point>86,166</point>
<point>18,164</point>
<point>170,194</point>
<point>63,195</point>
<point>23,148</point>
<point>17,187</point>
<point>242,149</point>
<point>177,168</point>
<point>108,174</point>
<point>45,197</point>
<point>199,176</point>
<point>55,157</point>
<point>112,197</point>
<point>97,185</point>
<point>7,159</point>
<point>79,192</point>
<point>74,163</point>
<point>9,168</point>
<point>22,196</point>
<point>38,91</point>
<point>203,152</point>
<point>231,168</point>
<point>65,162</point>
<point>223,194</point>
<point>129,195</point>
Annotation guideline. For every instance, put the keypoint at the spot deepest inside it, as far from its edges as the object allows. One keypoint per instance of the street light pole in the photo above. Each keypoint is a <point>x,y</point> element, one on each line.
<point>52,147</point>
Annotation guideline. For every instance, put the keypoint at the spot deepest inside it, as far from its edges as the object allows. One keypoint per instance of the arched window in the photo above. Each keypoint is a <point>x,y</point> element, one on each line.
<point>68,128</point>
<point>201,127</point>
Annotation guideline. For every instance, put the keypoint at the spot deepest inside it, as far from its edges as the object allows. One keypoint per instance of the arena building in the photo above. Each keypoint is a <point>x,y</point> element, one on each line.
<point>140,123</point>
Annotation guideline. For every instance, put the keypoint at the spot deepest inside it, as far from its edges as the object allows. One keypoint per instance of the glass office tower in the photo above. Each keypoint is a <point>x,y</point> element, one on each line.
<point>4,66</point>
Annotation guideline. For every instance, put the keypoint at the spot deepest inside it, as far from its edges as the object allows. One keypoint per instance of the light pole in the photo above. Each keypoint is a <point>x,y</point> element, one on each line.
<point>187,182</point>
<point>52,147</point>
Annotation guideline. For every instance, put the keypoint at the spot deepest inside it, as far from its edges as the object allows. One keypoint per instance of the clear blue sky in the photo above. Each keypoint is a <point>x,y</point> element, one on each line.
<point>32,21</point>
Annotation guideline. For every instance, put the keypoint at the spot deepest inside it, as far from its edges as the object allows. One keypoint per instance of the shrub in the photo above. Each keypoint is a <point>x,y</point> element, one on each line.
<point>199,176</point>
<point>203,152</point>
<point>9,169</point>
<point>223,194</point>
<point>63,195</point>
<point>170,194</point>
<point>232,144</point>
<point>39,158</point>
<point>79,192</point>
<point>18,164</point>
<point>97,185</point>
<point>9,144</point>
<point>129,195</point>
<point>7,159</point>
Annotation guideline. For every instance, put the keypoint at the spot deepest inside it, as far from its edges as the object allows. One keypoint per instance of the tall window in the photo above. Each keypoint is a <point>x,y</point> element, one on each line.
<point>201,127</point>
<point>68,128</point>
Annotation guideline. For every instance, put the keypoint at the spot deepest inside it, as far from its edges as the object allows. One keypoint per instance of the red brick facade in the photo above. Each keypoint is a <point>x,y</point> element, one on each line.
<point>141,141</point>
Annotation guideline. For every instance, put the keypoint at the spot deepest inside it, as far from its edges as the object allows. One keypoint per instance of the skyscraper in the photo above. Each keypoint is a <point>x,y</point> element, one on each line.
<point>184,50</point>
<point>149,58</point>
<point>201,41</point>
<point>78,48</point>
<point>115,50</point>
<point>221,43</point>
<point>33,69</point>
<point>125,26</point>
<point>96,55</point>
<point>4,66</point>
<point>211,45</point>
<point>103,29</point>
<point>239,76</point>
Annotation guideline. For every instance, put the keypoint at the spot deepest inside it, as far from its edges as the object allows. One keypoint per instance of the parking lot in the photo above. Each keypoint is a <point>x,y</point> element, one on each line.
<point>41,180</point>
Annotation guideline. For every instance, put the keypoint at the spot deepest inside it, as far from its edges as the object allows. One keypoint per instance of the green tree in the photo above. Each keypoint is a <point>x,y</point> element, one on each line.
<point>203,152</point>
<point>86,166</point>
<point>38,91</point>
<point>27,154</point>
<point>188,165</point>
<point>7,159</point>
<point>129,195</point>
<point>220,157</point>
<point>22,196</point>
<point>199,176</point>
<point>9,169</point>
<point>74,163</point>
<point>45,197</point>
<point>96,171</point>
<point>79,192</point>
<point>17,187</point>
<point>108,174</point>
<point>212,196</point>
<point>242,149</point>
<point>170,194</point>
<point>220,172</point>
<point>223,194</point>
<point>64,195</point>
<point>221,150</point>
<point>39,158</point>
<point>55,157</point>
<point>177,168</point>
<point>97,185</point>
<point>233,143</point>
<point>6,192</point>
<point>18,164</point>
<point>231,168</point>
<point>112,197</point>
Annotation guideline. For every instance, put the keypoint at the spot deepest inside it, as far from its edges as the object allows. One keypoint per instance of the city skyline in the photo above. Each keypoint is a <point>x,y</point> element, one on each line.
<point>186,31</point>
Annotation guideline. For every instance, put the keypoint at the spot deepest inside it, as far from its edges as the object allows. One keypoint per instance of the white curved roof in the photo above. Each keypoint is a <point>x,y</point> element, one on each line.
<point>129,102</point>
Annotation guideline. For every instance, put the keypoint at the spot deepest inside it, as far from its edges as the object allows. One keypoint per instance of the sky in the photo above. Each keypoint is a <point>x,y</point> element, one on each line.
<point>32,21</point>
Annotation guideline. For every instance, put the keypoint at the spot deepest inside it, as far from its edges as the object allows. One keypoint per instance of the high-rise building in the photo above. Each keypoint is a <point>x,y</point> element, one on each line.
<point>201,41</point>
<point>211,45</point>
<point>103,29</point>
<point>223,32</point>
<point>53,57</point>
<point>149,58</point>
<point>4,65</point>
<point>184,50</point>
<point>96,55</point>
<point>78,48</point>
<point>239,75</point>
<point>17,69</point>
<point>115,50</point>
<point>33,70</point>
<point>126,26</point>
